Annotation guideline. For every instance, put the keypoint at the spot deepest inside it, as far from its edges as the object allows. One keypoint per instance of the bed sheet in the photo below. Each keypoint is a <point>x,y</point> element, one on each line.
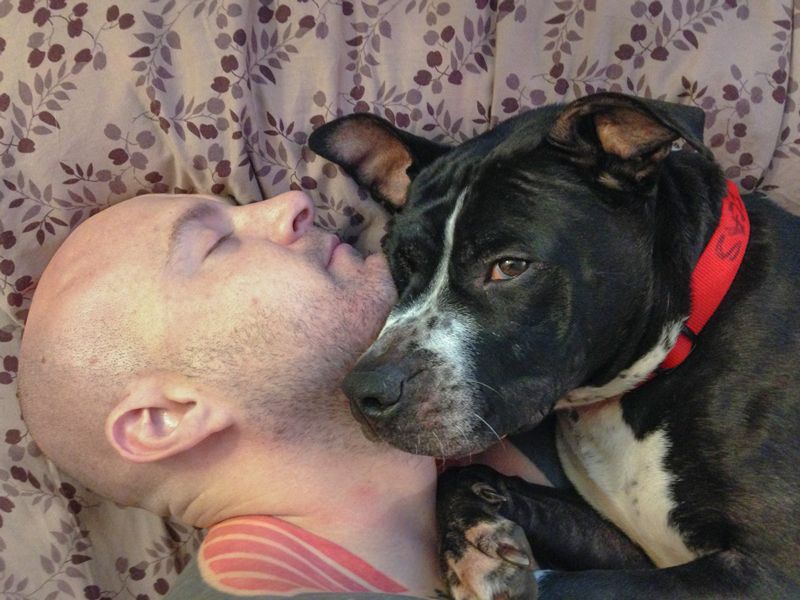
<point>102,100</point>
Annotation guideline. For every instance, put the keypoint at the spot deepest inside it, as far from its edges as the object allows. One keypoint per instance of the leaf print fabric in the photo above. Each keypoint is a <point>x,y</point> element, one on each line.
<point>101,101</point>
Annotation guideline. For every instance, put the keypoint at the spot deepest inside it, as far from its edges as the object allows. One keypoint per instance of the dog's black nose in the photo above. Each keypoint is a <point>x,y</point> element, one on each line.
<point>374,391</point>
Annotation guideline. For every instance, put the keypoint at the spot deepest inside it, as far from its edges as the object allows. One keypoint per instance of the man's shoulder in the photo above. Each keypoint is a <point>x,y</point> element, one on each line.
<point>191,586</point>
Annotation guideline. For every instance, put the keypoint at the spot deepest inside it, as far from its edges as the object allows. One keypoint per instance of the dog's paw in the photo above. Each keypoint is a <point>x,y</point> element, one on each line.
<point>495,564</point>
<point>485,556</point>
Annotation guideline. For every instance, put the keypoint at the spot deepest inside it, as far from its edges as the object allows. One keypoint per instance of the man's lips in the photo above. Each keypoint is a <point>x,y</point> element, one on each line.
<point>336,245</point>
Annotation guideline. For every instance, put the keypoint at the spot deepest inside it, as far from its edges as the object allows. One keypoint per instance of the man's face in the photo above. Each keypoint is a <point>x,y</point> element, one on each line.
<point>254,299</point>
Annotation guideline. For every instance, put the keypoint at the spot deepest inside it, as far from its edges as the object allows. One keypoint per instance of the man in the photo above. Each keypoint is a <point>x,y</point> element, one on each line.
<point>184,356</point>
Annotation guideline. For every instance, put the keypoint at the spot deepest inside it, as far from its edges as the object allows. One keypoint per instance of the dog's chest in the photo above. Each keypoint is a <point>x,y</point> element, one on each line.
<point>624,479</point>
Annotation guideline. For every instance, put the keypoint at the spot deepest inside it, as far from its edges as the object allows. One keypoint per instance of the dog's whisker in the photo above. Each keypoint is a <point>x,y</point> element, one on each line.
<point>486,385</point>
<point>463,434</point>
<point>487,425</point>
<point>441,446</point>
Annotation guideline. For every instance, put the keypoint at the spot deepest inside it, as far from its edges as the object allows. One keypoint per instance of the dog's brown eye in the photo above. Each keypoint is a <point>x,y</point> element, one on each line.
<point>508,268</point>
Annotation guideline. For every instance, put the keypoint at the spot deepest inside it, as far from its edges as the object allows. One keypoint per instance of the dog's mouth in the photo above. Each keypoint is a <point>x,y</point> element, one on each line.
<point>440,442</point>
<point>444,423</point>
<point>424,402</point>
<point>436,442</point>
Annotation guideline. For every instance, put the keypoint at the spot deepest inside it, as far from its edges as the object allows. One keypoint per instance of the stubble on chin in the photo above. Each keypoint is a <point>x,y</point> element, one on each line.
<point>302,402</point>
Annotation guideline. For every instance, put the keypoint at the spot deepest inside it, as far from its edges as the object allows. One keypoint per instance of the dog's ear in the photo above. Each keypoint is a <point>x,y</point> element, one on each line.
<point>376,154</point>
<point>625,138</point>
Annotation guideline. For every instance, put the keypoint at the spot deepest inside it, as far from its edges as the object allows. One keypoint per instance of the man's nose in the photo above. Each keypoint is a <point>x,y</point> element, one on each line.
<point>283,218</point>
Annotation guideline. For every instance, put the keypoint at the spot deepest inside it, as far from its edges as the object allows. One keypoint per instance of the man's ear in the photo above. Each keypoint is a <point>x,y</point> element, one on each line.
<point>376,154</point>
<point>623,137</point>
<point>162,416</point>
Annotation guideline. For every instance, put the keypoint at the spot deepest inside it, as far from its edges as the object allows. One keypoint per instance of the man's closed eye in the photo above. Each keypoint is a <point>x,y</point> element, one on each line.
<point>225,242</point>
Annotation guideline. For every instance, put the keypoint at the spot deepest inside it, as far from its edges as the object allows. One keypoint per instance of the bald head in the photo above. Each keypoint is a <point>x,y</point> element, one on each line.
<point>83,339</point>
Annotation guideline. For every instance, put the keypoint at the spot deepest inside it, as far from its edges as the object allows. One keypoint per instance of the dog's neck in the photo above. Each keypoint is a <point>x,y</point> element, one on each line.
<point>693,207</point>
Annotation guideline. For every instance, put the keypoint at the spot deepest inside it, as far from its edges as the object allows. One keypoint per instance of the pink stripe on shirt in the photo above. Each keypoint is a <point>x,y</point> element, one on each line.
<point>265,554</point>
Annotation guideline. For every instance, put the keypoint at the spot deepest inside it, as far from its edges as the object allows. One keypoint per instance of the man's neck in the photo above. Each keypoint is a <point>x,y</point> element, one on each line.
<point>368,515</point>
<point>393,529</point>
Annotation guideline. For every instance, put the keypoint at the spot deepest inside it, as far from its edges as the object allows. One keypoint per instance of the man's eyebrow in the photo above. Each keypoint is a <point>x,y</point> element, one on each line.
<point>190,216</point>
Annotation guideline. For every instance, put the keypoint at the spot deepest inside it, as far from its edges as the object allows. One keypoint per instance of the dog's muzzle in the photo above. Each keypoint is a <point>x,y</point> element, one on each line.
<point>416,399</point>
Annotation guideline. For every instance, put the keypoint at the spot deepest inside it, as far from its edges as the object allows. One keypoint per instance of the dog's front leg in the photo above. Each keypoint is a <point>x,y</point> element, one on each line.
<point>495,530</point>
<point>720,576</point>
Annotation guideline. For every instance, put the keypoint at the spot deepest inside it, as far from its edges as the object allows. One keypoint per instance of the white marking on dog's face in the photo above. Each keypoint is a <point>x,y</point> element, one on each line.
<point>624,478</point>
<point>435,327</point>
<point>435,296</point>
<point>629,378</point>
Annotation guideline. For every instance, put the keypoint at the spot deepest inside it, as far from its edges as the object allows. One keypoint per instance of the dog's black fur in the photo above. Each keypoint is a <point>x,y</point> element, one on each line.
<point>610,223</point>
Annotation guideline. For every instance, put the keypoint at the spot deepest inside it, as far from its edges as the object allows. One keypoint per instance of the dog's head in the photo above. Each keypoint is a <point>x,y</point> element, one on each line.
<point>524,260</point>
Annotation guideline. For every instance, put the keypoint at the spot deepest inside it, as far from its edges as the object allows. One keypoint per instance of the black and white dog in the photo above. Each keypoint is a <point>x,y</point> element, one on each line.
<point>574,260</point>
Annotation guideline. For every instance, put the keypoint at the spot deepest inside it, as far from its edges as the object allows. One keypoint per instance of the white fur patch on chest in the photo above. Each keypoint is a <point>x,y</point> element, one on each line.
<point>623,478</point>
<point>628,378</point>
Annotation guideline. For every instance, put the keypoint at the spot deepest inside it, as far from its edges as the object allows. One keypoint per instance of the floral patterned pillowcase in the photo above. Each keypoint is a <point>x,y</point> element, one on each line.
<point>101,101</point>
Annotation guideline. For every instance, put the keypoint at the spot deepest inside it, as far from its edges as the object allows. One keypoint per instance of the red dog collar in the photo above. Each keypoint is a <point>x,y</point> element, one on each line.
<point>713,274</point>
